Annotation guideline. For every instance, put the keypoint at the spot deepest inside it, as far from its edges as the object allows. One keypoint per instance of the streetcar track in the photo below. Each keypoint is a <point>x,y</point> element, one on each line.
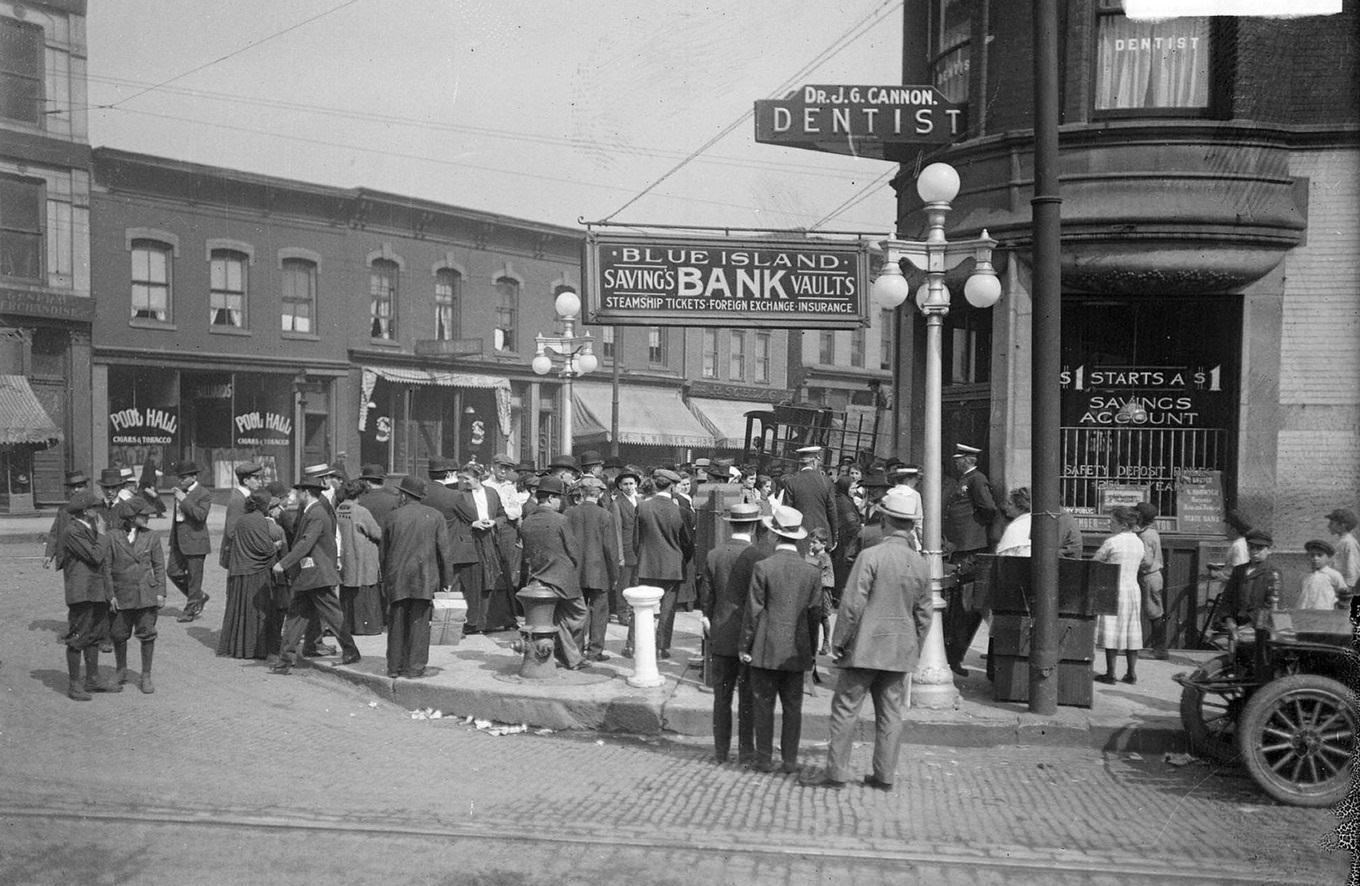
<point>615,840</point>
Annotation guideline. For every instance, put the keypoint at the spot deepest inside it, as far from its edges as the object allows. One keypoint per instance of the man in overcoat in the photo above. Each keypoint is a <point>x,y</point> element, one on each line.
<point>379,498</point>
<point>776,640</point>
<point>189,542</point>
<point>661,538</point>
<point>593,527</point>
<point>416,558</point>
<point>884,614</point>
<point>969,510</point>
<point>552,559</point>
<point>723,587</point>
<point>314,557</point>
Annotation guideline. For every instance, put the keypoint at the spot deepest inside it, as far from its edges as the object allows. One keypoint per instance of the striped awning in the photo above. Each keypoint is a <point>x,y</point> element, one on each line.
<point>23,421</point>
<point>649,416</point>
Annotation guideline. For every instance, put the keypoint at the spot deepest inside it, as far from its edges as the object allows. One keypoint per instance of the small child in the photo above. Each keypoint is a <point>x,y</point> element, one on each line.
<point>1323,588</point>
<point>818,556</point>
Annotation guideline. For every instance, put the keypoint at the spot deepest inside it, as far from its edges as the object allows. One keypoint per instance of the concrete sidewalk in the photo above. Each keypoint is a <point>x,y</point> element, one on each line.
<point>478,677</point>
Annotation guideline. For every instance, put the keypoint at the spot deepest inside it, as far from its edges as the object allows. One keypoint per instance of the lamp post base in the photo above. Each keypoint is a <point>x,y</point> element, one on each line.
<point>932,683</point>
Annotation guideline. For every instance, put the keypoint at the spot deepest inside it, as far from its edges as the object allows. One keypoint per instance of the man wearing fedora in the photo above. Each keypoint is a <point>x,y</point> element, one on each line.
<point>189,541</point>
<point>776,639</point>
<point>812,493</point>
<point>662,540</point>
<point>723,586</point>
<point>249,477</point>
<point>883,618</point>
<point>592,464</point>
<point>552,558</point>
<point>314,557</point>
<point>416,562</point>
<point>378,498</point>
<point>76,481</point>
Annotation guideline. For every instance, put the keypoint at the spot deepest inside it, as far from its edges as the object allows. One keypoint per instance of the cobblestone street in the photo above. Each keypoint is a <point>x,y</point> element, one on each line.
<point>308,779</point>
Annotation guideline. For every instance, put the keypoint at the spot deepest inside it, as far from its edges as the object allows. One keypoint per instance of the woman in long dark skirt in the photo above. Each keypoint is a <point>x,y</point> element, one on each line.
<point>255,544</point>
<point>847,534</point>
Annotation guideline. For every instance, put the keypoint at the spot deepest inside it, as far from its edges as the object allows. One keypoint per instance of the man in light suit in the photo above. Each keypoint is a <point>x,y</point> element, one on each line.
<point>189,542</point>
<point>416,562</point>
<point>776,639</point>
<point>884,614</point>
<point>475,517</point>
<point>662,540</point>
<point>313,556</point>
<point>723,586</point>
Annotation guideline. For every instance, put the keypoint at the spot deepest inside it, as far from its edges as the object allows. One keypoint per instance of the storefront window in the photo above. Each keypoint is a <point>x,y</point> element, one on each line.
<point>144,417</point>
<point>1150,64</point>
<point>1149,393</point>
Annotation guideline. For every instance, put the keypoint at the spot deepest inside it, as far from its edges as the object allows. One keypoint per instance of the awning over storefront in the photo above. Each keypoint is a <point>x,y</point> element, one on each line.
<point>499,384</point>
<point>23,421</point>
<point>647,416</point>
<point>726,419</point>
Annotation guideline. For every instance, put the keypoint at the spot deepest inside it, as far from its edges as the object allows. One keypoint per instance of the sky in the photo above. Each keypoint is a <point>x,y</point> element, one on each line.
<point>546,110</point>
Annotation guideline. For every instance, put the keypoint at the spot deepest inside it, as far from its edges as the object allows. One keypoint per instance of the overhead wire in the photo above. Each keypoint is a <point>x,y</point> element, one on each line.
<point>850,35</point>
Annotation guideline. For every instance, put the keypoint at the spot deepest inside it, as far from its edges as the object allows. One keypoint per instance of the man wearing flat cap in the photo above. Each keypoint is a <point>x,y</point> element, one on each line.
<point>1253,588</point>
<point>416,556</point>
<point>189,542</point>
<point>662,540</point>
<point>249,477</point>
<point>812,493</point>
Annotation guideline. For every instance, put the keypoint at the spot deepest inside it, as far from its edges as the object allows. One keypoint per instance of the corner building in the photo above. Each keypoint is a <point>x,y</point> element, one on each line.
<point>1209,172</point>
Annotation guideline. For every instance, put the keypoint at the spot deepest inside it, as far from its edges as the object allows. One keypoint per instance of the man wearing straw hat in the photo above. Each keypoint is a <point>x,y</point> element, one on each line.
<point>884,614</point>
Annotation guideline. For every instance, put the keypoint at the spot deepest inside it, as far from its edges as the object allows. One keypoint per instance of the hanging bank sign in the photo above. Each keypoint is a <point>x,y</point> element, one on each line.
<point>863,121</point>
<point>643,280</point>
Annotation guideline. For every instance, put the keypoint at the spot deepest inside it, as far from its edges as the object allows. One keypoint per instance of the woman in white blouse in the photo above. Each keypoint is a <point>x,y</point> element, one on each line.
<point>1123,631</point>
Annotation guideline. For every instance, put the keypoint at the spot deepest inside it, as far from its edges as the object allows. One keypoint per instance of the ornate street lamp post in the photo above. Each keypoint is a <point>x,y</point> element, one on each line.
<point>938,185</point>
<point>572,352</point>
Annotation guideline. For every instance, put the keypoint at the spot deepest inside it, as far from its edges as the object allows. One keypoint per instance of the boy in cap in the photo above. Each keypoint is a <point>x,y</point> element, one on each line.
<point>137,566</point>
<point>85,575</point>
<point>776,641</point>
<point>1341,524</point>
<point>1323,587</point>
<point>76,481</point>
<point>189,541</point>
<point>1253,588</point>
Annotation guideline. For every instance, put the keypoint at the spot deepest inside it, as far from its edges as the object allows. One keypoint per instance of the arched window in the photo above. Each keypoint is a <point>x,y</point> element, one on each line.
<point>448,298</point>
<point>507,314</point>
<point>383,278</point>
<point>227,288</point>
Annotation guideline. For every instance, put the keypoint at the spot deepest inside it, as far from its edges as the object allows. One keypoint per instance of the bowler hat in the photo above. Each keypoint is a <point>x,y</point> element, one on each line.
<point>742,512</point>
<point>373,472</point>
<point>132,507</point>
<point>440,465</point>
<point>1259,538</point>
<point>628,471</point>
<point>552,485</point>
<point>76,478</point>
<point>901,502</point>
<point>591,457</point>
<point>81,501</point>
<point>1318,544</point>
<point>786,521</point>
<point>563,461</point>
<point>111,477</point>
<point>412,486</point>
<point>249,469</point>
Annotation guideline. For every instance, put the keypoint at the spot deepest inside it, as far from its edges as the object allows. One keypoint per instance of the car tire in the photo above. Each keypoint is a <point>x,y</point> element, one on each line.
<point>1296,738</point>
<point>1210,718</point>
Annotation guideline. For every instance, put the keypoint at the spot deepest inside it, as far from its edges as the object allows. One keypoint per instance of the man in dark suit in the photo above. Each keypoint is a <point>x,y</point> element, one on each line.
<point>313,556</point>
<point>76,481</point>
<point>84,557</point>
<point>623,506</point>
<point>723,588</point>
<point>594,529</point>
<point>661,538</point>
<point>416,562</point>
<point>189,542</point>
<point>968,514</point>
<point>776,640</point>
<point>379,498</point>
<point>552,559</point>
<point>811,492</point>
<point>883,618</point>
<point>249,477</point>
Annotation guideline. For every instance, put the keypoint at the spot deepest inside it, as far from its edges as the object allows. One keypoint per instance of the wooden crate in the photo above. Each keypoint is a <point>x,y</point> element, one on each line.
<point>1011,682</point>
<point>1013,634</point>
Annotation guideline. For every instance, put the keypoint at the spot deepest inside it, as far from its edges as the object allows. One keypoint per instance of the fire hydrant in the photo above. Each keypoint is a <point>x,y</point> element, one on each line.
<point>539,634</point>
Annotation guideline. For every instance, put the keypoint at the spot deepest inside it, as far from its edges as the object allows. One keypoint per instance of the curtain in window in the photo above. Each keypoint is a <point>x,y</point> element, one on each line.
<point>1152,64</point>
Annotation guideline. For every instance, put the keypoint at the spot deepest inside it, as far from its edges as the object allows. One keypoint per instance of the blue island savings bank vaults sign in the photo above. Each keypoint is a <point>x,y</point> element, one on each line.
<point>646,280</point>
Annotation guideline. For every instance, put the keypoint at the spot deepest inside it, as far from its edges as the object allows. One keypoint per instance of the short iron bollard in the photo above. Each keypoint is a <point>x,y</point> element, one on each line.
<point>539,634</point>
<point>646,601</point>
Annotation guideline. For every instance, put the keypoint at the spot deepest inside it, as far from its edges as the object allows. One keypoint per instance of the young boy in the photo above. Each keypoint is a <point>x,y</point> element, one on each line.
<point>137,563</point>
<point>817,555</point>
<point>1323,588</point>
<point>85,574</point>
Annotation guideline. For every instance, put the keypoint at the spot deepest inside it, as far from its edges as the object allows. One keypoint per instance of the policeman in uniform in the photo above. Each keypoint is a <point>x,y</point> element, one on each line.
<point>969,510</point>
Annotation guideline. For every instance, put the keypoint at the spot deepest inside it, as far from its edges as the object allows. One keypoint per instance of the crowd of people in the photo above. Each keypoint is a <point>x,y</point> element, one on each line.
<point>815,561</point>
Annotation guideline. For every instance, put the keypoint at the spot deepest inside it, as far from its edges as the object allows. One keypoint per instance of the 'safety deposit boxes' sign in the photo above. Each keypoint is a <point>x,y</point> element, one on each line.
<point>681,281</point>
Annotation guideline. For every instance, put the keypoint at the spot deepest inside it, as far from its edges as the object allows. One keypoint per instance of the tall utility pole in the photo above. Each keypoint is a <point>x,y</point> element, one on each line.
<point>1045,363</point>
